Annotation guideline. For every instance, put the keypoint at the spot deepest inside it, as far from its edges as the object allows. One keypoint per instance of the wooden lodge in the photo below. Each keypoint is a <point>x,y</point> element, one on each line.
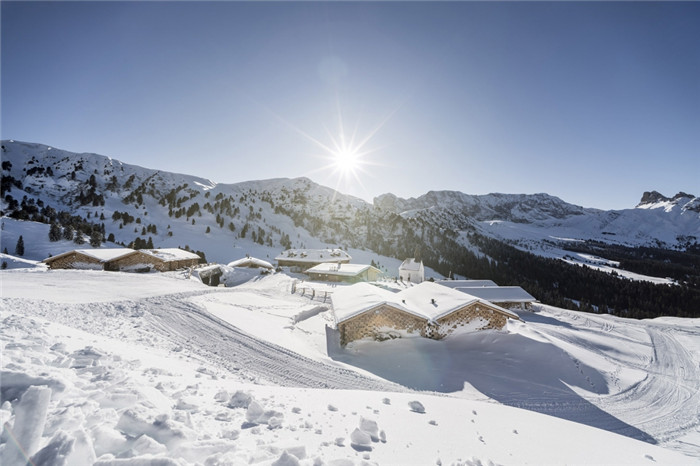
<point>124,259</point>
<point>349,273</point>
<point>299,260</point>
<point>427,310</point>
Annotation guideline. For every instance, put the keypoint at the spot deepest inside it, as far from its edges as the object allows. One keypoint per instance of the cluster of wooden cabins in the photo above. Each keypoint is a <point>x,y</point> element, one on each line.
<point>368,307</point>
<point>431,309</point>
<point>124,259</point>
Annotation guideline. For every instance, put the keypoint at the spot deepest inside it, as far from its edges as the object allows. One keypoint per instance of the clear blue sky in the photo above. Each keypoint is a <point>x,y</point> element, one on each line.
<point>592,102</point>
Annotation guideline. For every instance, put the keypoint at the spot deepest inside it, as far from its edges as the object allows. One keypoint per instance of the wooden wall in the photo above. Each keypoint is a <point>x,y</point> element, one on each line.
<point>370,323</point>
<point>75,260</point>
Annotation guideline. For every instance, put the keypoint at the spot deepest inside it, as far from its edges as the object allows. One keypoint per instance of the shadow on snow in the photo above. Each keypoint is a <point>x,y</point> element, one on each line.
<point>509,368</point>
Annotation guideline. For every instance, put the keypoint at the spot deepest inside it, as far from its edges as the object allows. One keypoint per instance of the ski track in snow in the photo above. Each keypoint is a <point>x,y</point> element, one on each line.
<point>664,404</point>
<point>660,408</point>
<point>170,321</point>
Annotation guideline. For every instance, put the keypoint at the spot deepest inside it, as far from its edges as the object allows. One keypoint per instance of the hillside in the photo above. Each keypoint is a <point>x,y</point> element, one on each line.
<point>538,241</point>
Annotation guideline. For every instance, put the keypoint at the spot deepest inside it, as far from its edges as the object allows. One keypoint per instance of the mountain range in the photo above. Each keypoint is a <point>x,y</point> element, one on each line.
<point>97,198</point>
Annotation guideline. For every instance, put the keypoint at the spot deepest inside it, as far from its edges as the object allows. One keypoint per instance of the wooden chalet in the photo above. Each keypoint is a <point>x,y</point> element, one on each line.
<point>299,260</point>
<point>349,273</point>
<point>427,309</point>
<point>124,259</point>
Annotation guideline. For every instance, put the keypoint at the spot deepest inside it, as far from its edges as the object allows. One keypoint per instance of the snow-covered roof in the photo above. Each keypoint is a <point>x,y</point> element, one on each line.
<point>208,270</point>
<point>411,264</point>
<point>314,255</point>
<point>513,294</point>
<point>346,270</point>
<point>433,300</point>
<point>350,301</point>
<point>466,283</point>
<point>427,300</point>
<point>250,261</point>
<point>100,254</point>
<point>170,254</point>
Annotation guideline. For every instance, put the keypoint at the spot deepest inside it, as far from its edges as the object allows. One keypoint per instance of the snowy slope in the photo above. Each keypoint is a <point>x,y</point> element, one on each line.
<point>259,218</point>
<point>112,368</point>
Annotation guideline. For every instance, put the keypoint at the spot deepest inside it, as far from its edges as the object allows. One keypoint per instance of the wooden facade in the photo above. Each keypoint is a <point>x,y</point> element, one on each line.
<point>137,261</point>
<point>463,317</point>
<point>127,260</point>
<point>74,260</point>
<point>377,320</point>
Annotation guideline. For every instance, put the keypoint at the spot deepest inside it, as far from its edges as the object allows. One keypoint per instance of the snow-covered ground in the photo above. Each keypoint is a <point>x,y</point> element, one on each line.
<point>158,369</point>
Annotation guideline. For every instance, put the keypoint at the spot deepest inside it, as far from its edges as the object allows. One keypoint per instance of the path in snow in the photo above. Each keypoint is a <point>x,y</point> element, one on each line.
<point>235,350</point>
<point>174,323</point>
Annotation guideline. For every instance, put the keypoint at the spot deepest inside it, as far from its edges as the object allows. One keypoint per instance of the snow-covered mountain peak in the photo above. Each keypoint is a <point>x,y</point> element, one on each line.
<point>521,208</point>
<point>682,201</point>
<point>129,202</point>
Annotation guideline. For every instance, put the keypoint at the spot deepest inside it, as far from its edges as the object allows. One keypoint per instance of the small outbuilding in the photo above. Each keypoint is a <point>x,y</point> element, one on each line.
<point>252,263</point>
<point>349,273</point>
<point>299,260</point>
<point>210,274</point>
<point>505,296</point>
<point>412,270</point>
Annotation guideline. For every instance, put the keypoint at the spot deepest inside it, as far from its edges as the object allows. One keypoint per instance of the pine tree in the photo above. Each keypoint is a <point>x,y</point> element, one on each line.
<point>19,248</point>
<point>95,239</point>
<point>55,232</point>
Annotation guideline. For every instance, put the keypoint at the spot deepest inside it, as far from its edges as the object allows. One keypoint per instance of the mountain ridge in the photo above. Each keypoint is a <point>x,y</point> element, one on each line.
<point>555,250</point>
<point>78,182</point>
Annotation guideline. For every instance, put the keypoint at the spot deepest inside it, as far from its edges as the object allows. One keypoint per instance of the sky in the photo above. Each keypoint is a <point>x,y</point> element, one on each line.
<point>593,102</point>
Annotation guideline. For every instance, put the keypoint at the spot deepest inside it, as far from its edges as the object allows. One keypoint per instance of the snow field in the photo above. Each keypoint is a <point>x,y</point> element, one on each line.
<point>180,373</point>
<point>104,408</point>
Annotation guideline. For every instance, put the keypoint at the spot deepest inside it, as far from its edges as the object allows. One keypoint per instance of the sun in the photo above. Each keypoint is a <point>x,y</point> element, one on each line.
<point>346,160</point>
<point>346,157</point>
